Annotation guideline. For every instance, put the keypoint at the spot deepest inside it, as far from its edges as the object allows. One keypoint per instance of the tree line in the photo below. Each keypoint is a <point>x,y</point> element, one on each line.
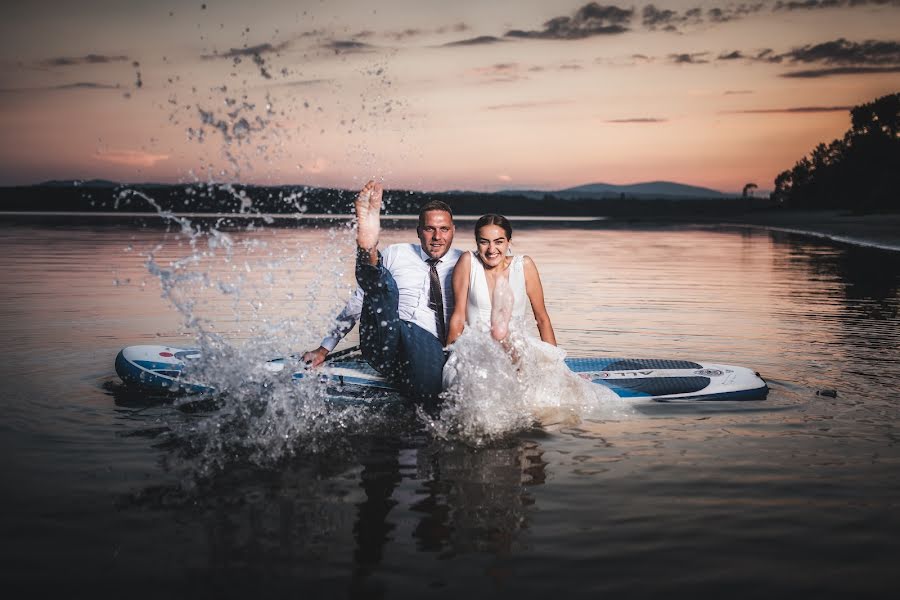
<point>102,196</point>
<point>860,171</point>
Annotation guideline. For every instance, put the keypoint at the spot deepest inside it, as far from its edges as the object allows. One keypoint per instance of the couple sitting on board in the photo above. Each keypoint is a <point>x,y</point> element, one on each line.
<point>414,300</point>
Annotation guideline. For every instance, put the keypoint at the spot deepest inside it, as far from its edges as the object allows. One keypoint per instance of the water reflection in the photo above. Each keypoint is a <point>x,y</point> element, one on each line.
<point>256,521</point>
<point>868,278</point>
<point>848,309</point>
<point>477,500</point>
<point>373,528</point>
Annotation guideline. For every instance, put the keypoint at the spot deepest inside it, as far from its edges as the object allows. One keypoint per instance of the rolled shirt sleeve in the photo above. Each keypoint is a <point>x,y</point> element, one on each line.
<point>345,321</point>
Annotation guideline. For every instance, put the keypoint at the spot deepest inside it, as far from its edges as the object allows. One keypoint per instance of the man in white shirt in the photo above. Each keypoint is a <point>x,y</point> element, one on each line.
<point>404,298</point>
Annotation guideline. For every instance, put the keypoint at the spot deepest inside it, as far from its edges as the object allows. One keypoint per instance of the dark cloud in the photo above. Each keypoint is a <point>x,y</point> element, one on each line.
<point>250,51</point>
<point>254,53</point>
<point>768,55</point>
<point>842,57</point>
<point>588,21</point>
<point>304,82</point>
<point>696,58</point>
<point>653,17</point>
<point>347,46</point>
<point>836,57</point>
<point>792,110</point>
<point>815,73</point>
<point>88,59</point>
<point>843,52</point>
<point>85,85</point>
<point>669,20</point>
<point>808,4</point>
<point>481,40</point>
<point>737,92</point>
<point>693,13</point>
<point>819,4</point>
<point>638,120</point>
<point>80,85</point>
<point>733,12</point>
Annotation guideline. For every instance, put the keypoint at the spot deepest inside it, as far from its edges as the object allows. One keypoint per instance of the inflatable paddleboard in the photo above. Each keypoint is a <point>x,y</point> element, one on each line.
<point>161,368</point>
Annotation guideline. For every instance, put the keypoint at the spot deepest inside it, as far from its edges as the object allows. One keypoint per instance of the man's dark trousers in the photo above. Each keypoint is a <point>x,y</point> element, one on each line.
<point>409,356</point>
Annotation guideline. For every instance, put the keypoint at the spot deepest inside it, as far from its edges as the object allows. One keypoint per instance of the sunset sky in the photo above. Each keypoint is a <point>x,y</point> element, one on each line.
<point>434,95</point>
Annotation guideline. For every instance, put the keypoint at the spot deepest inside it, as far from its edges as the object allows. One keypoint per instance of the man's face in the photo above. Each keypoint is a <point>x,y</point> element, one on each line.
<point>436,233</point>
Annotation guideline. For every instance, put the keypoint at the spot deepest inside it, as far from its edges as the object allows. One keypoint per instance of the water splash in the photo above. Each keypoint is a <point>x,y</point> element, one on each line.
<point>246,296</point>
<point>262,420</point>
<point>492,392</point>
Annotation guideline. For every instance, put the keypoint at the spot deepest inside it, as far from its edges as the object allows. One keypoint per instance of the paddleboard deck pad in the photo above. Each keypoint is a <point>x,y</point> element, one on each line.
<point>163,369</point>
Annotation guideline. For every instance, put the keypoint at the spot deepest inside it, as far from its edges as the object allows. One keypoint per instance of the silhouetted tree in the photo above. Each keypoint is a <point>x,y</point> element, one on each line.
<point>748,190</point>
<point>860,171</point>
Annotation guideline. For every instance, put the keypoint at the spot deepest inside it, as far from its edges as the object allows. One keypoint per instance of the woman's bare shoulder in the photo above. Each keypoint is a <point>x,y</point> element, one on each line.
<point>528,262</point>
<point>466,257</point>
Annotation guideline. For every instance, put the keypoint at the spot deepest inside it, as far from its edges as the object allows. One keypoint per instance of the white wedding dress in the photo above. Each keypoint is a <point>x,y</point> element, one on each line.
<point>533,378</point>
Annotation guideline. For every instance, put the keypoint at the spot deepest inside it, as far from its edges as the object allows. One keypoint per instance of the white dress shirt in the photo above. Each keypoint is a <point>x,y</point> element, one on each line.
<point>406,262</point>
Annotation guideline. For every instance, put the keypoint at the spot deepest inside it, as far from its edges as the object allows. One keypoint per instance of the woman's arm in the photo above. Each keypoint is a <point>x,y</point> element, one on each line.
<point>536,295</point>
<point>460,296</point>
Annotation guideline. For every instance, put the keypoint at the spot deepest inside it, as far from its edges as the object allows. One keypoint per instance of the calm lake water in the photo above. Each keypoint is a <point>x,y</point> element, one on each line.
<point>105,490</point>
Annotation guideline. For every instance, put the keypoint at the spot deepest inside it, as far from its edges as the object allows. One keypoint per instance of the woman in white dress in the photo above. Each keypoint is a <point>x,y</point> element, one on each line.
<point>492,289</point>
<point>476,278</point>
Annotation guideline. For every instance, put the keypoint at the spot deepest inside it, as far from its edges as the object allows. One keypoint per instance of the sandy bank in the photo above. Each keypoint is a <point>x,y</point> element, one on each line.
<point>876,230</point>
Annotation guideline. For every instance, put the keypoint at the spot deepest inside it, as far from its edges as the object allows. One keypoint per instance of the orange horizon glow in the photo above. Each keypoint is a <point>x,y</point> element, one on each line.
<point>330,96</point>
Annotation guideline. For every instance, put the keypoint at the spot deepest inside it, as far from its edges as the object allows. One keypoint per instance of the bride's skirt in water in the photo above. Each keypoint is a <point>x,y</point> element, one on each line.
<point>491,391</point>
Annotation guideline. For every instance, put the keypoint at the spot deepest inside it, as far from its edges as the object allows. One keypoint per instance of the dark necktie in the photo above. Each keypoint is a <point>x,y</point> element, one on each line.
<point>436,300</point>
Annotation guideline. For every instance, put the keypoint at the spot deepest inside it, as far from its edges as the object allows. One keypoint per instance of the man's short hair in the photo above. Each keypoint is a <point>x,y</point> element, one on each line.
<point>433,205</point>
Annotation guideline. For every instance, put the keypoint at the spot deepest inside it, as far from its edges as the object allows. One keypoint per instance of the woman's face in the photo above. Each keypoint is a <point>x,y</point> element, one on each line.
<point>492,245</point>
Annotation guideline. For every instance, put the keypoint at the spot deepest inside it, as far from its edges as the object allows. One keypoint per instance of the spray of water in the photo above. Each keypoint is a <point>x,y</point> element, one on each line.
<point>493,391</point>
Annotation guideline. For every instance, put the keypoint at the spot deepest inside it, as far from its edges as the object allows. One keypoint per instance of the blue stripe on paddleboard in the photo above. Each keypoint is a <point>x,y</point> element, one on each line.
<point>738,395</point>
<point>656,386</point>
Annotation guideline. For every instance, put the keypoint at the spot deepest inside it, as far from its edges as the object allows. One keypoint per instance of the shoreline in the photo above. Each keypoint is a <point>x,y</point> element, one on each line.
<point>881,231</point>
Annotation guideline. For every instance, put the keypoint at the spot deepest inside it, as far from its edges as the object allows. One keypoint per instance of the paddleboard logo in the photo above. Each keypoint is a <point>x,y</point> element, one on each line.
<point>624,374</point>
<point>709,372</point>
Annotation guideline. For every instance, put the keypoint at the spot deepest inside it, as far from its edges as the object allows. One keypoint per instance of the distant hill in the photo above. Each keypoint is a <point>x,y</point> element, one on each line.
<point>650,189</point>
<point>90,183</point>
<point>656,188</point>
